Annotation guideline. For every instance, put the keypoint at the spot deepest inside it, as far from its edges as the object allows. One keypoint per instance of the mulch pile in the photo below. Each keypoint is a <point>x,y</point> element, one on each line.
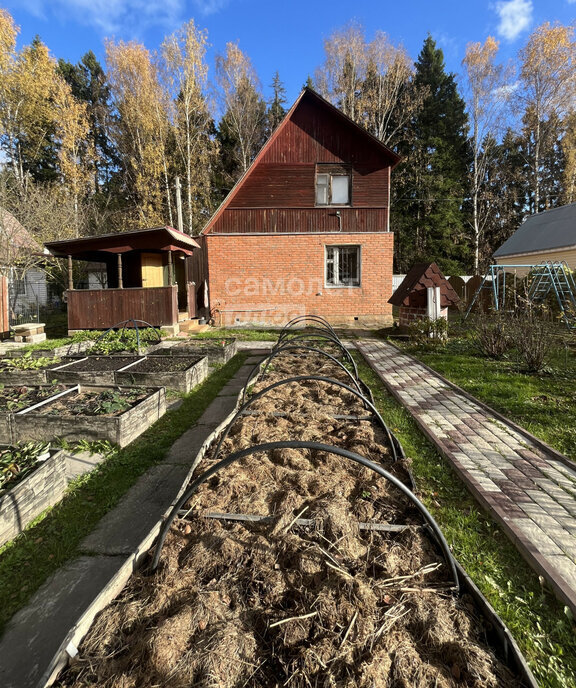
<point>277,603</point>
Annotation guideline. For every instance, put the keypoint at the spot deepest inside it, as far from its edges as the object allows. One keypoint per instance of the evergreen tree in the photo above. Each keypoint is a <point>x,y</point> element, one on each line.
<point>88,82</point>
<point>429,208</point>
<point>276,110</point>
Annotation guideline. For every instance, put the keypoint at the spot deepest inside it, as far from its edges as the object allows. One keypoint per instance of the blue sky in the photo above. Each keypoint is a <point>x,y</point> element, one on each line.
<point>286,36</point>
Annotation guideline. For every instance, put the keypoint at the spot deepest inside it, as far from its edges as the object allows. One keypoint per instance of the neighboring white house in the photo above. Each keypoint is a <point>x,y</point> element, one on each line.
<point>547,236</point>
<point>21,263</point>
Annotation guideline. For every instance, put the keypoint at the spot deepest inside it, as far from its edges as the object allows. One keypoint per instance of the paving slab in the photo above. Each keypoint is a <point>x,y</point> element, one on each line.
<point>36,633</point>
<point>527,486</point>
<point>81,462</point>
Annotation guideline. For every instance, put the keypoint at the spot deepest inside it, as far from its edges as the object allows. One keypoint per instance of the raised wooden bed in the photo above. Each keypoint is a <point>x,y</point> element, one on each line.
<point>34,376</point>
<point>217,351</point>
<point>39,490</point>
<point>49,419</point>
<point>181,373</point>
<point>29,395</point>
<point>93,370</point>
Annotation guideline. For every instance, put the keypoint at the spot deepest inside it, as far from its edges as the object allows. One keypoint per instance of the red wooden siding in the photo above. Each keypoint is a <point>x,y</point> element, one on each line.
<point>97,309</point>
<point>293,186</point>
<point>296,220</point>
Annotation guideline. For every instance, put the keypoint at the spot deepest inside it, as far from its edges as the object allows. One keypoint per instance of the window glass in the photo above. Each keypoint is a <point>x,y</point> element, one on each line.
<point>322,183</point>
<point>343,266</point>
<point>340,188</point>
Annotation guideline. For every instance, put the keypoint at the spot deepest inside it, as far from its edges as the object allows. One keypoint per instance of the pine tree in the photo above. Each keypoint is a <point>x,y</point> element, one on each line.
<point>429,208</point>
<point>276,110</point>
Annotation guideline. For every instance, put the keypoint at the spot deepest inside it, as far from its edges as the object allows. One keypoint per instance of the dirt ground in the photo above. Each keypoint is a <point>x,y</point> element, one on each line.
<point>278,603</point>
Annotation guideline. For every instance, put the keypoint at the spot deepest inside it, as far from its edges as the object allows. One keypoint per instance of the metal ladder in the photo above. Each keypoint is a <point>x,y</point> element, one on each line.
<point>557,278</point>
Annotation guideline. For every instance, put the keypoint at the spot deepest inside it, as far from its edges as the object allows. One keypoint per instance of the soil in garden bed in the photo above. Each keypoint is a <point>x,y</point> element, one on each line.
<point>20,397</point>
<point>109,402</point>
<point>165,364</point>
<point>101,363</point>
<point>282,604</point>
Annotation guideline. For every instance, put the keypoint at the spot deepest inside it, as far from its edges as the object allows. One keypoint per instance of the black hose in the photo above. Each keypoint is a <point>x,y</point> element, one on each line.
<point>301,318</point>
<point>290,347</point>
<point>296,444</point>
<point>324,337</point>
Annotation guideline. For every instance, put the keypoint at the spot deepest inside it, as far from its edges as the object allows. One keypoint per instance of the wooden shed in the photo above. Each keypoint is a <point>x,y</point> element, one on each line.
<point>424,292</point>
<point>148,277</point>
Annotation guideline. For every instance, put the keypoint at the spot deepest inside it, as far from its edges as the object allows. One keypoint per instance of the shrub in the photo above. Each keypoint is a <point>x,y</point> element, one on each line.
<point>428,334</point>
<point>491,334</point>
<point>533,339</point>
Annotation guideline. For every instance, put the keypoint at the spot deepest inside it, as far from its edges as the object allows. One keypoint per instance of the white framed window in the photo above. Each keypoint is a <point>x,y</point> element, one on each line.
<point>333,185</point>
<point>343,265</point>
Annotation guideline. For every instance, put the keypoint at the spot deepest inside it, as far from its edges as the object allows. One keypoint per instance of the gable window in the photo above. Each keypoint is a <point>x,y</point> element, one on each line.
<point>342,266</point>
<point>333,184</point>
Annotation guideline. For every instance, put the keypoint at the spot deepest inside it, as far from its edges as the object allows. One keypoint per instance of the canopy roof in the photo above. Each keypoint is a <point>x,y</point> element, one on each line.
<point>551,230</point>
<point>419,277</point>
<point>100,248</point>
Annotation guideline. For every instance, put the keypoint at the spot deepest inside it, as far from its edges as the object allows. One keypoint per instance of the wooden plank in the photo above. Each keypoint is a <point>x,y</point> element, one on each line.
<point>255,518</point>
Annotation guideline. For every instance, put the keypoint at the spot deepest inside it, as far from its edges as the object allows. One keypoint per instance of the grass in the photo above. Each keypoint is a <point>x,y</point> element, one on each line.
<point>541,625</point>
<point>544,403</point>
<point>55,536</point>
<point>242,334</point>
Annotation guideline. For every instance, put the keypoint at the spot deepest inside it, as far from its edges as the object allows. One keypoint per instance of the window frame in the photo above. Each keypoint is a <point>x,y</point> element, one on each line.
<point>332,170</point>
<point>337,248</point>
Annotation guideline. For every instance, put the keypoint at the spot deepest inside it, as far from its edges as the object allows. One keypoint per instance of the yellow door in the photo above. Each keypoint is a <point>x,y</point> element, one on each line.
<point>152,270</point>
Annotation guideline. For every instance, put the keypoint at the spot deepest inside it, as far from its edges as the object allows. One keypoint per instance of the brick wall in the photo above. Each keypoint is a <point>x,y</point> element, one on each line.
<point>41,489</point>
<point>406,315</point>
<point>270,279</point>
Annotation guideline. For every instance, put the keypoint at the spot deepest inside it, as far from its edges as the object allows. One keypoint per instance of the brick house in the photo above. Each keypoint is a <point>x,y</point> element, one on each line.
<point>306,229</point>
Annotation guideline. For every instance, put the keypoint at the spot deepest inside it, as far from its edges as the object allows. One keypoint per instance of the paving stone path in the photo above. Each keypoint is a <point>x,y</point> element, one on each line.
<point>529,488</point>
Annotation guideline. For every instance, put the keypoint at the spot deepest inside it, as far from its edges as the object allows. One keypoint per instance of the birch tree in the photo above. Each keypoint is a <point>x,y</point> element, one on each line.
<point>142,127</point>
<point>548,89</point>
<point>242,128</point>
<point>185,72</point>
<point>487,93</point>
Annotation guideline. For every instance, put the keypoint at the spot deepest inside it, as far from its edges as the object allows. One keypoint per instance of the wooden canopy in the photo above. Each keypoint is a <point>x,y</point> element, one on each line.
<point>99,248</point>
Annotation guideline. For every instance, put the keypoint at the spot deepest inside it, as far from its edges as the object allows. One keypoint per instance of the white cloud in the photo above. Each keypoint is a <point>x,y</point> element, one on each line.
<point>515,17</point>
<point>213,6</point>
<point>113,16</point>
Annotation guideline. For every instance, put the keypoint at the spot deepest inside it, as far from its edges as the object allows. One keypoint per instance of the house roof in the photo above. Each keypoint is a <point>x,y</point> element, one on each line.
<point>418,279</point>
<point>14,237</point>
<point>307,95</point>
<point>155,238</point>
<point>550,230</point>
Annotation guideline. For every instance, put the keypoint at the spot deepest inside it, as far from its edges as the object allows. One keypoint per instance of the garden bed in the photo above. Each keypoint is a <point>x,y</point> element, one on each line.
<point>92,413</point>
<point>93,370</point>
<point>181,373</point>
<point>42,487</point>
<point>13,399</point>
<point>28,369</point>
<point>217,351</point>
<point>279,602</point>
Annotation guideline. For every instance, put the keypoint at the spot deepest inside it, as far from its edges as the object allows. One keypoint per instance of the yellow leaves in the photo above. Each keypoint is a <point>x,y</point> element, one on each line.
<point>8,31</point>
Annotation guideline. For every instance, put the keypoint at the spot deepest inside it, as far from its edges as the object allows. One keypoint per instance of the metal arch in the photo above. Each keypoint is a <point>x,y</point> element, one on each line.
<point>300,378</point>
<point>308,330</point>
<point>287,347</point>
<point>302,318</point>
<point>328,338</point>
<point>122,327</point>
<point>353,456</point>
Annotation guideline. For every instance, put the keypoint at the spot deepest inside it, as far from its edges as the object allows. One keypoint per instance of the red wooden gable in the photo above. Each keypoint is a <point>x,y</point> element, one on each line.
<point>277,193</point>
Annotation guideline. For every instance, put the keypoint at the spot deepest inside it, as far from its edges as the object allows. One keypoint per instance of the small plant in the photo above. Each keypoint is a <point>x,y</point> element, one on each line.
<point>425,333</point>
<point>491,334</point>
<point>18,461</point>
<point>28,362</point>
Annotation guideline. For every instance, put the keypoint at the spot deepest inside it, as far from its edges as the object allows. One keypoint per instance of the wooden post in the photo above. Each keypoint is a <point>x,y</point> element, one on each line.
<point>70,276</point>
<point>170,269</point>
<point>120,281</point>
